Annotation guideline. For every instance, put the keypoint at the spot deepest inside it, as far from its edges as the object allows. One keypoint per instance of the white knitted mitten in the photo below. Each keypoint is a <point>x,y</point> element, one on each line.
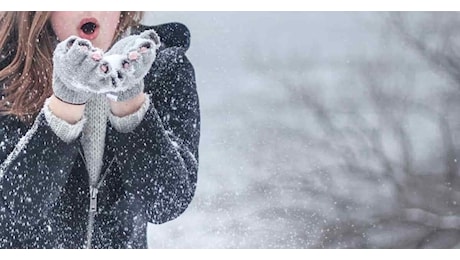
<point>133,56</point>
<point>77,70</point>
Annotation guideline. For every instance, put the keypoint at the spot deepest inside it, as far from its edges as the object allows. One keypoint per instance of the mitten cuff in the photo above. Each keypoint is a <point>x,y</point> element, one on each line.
<point>69,96</point>
<point>131,92</point>
<point>67,132</point>
<point>128,123</point>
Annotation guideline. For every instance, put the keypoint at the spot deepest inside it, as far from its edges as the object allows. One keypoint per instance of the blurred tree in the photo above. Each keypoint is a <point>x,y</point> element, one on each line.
<point>364,155</point>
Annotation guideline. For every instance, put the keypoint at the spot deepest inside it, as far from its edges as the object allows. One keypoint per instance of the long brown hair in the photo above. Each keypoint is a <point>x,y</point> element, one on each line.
<point>27,42</point>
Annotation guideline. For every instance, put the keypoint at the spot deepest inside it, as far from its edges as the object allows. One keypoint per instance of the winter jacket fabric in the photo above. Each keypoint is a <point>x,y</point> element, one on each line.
<point>149,174</point>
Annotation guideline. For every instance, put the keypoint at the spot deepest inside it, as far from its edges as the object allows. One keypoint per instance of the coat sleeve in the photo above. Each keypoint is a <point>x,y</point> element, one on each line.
<point>159,158</point>
<point>34,167</point>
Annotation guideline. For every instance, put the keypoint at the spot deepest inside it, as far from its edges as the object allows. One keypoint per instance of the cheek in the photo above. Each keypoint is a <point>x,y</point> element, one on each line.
<point>108,28</point>
<point>64,23</point>
<point>114,23</point>
<point>60,28</point>
<point>110,23</point>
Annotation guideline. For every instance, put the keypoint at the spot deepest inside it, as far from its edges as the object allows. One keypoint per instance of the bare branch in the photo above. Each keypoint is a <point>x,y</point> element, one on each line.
<point>431,219</point>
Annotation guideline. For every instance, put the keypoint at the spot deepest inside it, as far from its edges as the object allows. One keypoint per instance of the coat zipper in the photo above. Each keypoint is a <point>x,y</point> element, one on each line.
<point>91,214</point>
<point>93,191</point>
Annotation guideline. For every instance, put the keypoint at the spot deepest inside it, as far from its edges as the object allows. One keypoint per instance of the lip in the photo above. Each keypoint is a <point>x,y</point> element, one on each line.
<point>88,36</point>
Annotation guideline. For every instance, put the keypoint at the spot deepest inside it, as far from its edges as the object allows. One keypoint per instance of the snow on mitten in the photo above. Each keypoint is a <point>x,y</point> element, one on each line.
<point>133,57</point>
<point>77,70</point>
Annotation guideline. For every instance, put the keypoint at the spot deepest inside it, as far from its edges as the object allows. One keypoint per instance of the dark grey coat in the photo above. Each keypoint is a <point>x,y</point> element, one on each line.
<point>150,174</point>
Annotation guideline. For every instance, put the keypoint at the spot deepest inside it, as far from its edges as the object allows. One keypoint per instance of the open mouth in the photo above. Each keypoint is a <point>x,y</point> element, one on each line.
<point>88,28</point>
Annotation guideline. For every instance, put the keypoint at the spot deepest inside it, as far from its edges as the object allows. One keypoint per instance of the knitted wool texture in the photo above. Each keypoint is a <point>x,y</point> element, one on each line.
<point>93,128</point>
<point>67,132</point>
<point>93,135</point>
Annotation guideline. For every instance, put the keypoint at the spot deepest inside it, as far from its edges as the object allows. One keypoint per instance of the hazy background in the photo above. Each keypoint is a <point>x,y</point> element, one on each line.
<point>323,130</point>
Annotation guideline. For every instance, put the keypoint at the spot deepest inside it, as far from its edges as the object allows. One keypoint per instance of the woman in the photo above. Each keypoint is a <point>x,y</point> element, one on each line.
<point>99,130</point>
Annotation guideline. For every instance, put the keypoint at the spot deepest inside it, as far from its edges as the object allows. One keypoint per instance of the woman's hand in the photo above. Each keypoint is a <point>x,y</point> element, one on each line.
<point>134,56</point>
<point>78,71</point>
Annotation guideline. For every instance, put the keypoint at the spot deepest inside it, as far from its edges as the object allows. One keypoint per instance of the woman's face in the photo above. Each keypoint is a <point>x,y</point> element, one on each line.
<point>97,27</point>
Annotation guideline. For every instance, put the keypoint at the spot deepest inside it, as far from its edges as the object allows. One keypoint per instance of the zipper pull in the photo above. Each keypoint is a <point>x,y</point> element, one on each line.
<point>93,199</point>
